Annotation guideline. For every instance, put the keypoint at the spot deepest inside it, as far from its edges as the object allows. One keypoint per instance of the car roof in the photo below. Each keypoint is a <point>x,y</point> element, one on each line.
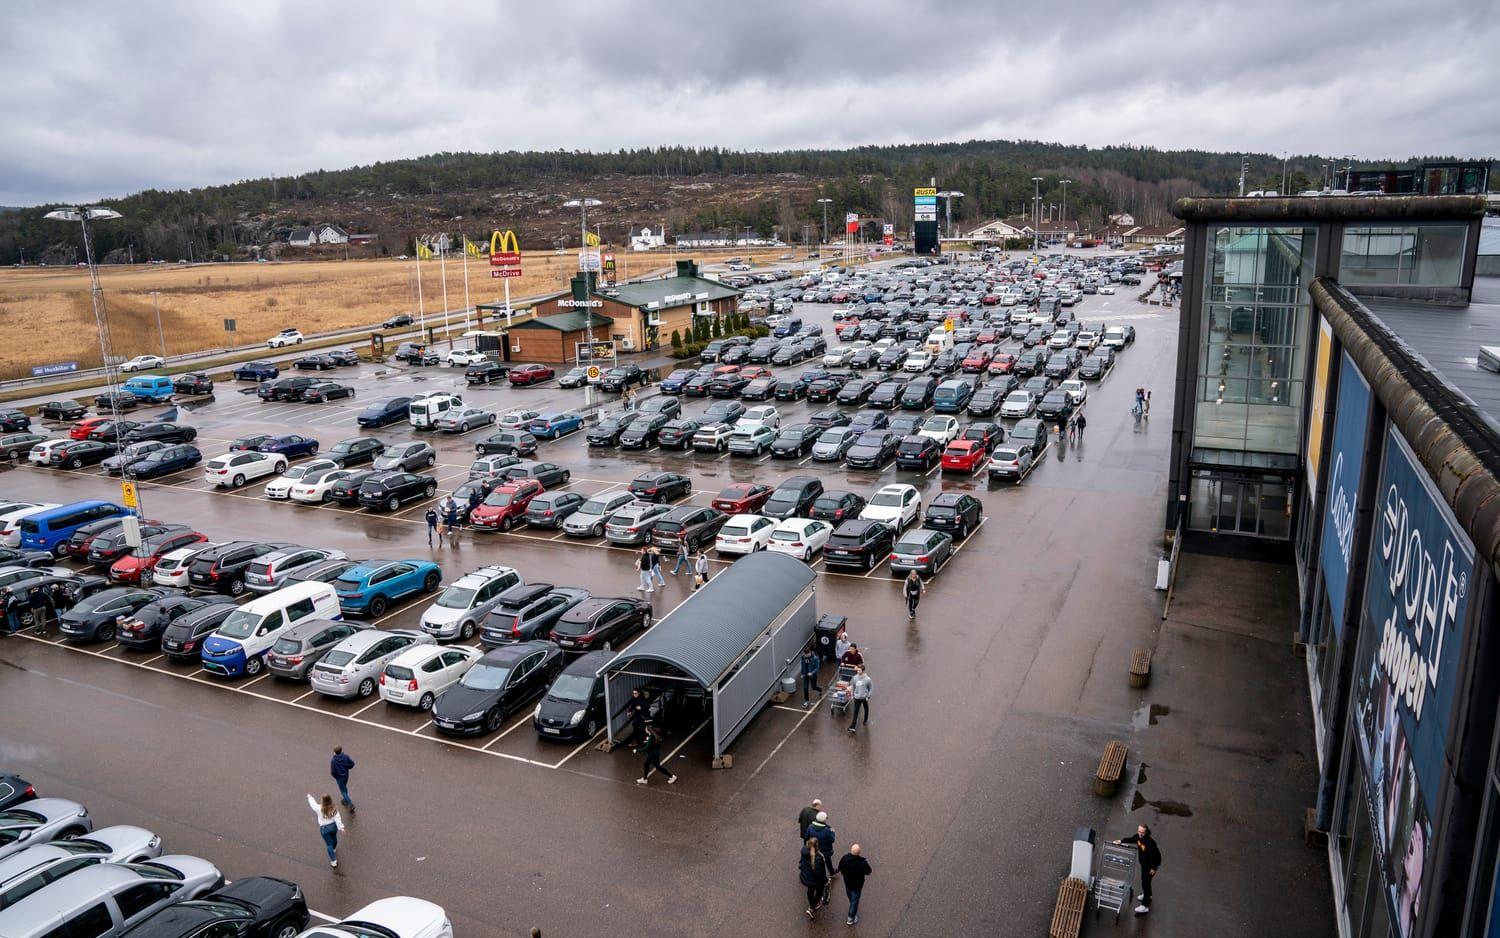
<point>482,576</point>
<point>509,654</point>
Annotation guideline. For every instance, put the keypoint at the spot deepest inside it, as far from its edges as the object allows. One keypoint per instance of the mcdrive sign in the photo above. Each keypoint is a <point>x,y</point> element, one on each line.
<point>1347,459</point>
<point>1416,600</point>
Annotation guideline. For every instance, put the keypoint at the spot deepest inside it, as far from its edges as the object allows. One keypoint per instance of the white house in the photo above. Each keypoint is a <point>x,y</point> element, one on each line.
<point>998,230</point>
<point>318,234</point>
<point>1122,218</point>
<point>645,237</point>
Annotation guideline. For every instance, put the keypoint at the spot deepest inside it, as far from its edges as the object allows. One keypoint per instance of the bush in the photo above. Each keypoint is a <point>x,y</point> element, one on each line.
<point>676,341</point>
<point>717,330</point>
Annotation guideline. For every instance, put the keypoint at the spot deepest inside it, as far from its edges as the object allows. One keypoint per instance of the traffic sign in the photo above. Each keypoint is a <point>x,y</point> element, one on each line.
<point>947,325</point>
<point>497,272</point>
<point>593,373</point>
<point>128,495</point>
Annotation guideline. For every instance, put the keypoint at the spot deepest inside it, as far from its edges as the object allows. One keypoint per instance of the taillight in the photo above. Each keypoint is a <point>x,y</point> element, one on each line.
<point>410,685</point>
<point>548,512</point>
<point>893,556</point>
<point>382,679</point>
<point>922,559</point>
<point>515,628</point>
<point>297,659</point>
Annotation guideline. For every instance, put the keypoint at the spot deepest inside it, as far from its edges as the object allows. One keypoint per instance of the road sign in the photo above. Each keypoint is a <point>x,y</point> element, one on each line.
<point>947,325</point>
<point>128,495</point>
<point>593,373</point>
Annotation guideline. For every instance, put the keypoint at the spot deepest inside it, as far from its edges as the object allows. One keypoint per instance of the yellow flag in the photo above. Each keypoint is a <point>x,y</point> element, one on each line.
<point>591,239</point>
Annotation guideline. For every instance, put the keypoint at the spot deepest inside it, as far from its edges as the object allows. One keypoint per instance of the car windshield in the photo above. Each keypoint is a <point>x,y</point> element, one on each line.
<point>456,597</point>
<point>338,658</point>
<point>575,688</point>
<point>295,472</point>
<point>886,499</point>
<point>486,677</point>
<point>239,624</point>
<point>499,499</point>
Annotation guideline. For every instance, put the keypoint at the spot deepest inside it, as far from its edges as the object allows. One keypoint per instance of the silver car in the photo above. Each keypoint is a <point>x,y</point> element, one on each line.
<point>634,523</point>
<point>921,549</point>
<point>408,457</point>
<point>110,893</point>
<point>592,515</point>
<point>462,420</point>
<point>304,645</point>
<point>122,843</point>
<point>268,572</point>
<point>461,607</point>
<point>352,668</point>
<point>40,820</point>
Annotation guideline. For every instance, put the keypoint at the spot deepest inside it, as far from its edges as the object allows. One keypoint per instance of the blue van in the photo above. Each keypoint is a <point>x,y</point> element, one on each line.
<point>951,396</point>
<point>49,530</point>
<point>150,387</point>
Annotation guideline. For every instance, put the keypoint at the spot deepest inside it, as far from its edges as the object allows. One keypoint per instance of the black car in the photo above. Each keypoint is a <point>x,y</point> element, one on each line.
<point>384,412</point>
<point>326,391</point>
<point>735,355</point>
<point>826,388</point>
<point>550,509</point>
<point>61,410</point>
<point>642,433</point>
<point>869,420</point>
<point>397,321</point>
<point>872,450</point>
<point>795,440</point>
<point>485,372</point>
<point>285,389</point>
<point>864,358</point>
<point>759,389</point>
<point>697,523</point>
<point>165,432</point>
<point>550,474</point>
<point>116,400</point>
<point>195,382</point>
<point>958,513</point>
<point>499,684</point>
<point>166,460</point>
<point>355,451</point>
<point>623,376</point>
<point>527,612</point>
<point>698,385</point>
<point>17,445</point>
<point>730,385</point>
<point>346,491</point>
<point>789,353</point>
<point>892,357</point>
<point>1093,367</point>
<point>793,498</point>
<point>1057,406</point>
<point>143,631</point>
<point>388,491</point>
<point>887,394</point>
<point>573,707</point>
<point>786,390</point>
<point>858,543</point>
<point>14,789</point>
<point>112,430</point>
<point>246,443</point>
<point>918,452</point>
<point>677,434</point>
<point>315,362</point>
<point>661,486</point>
<point>253,907</point>
<point>607,431</point>
<point>599,621</point>
<point>222,569</point>
<point>75,454</point>
<point>723,412</point>
<point>95,618</point>
<point>256,371</point>
<point>836,506</point>
<point>15,557</point>
<point>828,419</point>
<point>918,393</point>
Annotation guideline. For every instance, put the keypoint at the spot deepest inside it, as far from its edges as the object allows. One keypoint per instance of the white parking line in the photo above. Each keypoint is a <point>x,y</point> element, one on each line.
<point>378,700</point>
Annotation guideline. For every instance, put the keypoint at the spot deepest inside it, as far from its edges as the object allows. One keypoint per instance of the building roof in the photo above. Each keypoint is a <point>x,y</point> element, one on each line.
<point>710,632</point>
<point>1355,208</point>
<point>1448,338</point>
<point>673,291</point>
<point>566,322</point>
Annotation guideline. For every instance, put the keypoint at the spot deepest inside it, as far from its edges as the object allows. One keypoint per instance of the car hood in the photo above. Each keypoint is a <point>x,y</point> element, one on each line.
<point>219,645</point>
<point>458,702</point>
<point>442,615</point>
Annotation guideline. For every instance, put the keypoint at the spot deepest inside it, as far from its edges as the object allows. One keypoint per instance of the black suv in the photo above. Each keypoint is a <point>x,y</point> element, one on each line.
<point>918,394</point>
<point>958,513</point>
<point>607,431</point>
<point>346,491</point>
<point>623,376</point>
<point>356,451</point>
<point>918,452</point>
<point>222,569</point>
<point>600,620</point>
<point>486,372</point>
<point>391,490</point>
<point>285,389</point>
<point>793,498</point>
<point>858,543</point>
<point>698,523</point>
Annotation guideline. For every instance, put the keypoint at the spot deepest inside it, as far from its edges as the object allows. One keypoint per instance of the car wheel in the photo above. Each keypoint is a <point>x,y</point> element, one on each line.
<point>493,719</point>
<point>566,476</point>
<point>299,341</point>
<point>236,587</point>
<point>393,504</point>
<point>60,550</point>
<point>105,633</point>
<point>253,665</point>
<point>378,605</point>
<point>592,728</point>
<point>430,461</point>
<point>75,463</point>
<point>870,561</point>
<point>283,929</point>
<point>238,481</point>
<point>426,702</point>
<point>430,584</point>
<point>366,687</point>
<point>505,523</point>
<point>312,450</point>
<point>598,530</point>
<point>466,631</point>
<point>687,490</point>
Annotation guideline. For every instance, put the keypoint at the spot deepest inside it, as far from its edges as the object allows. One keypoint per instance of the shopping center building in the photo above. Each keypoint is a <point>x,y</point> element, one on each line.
<point>1333,411</point>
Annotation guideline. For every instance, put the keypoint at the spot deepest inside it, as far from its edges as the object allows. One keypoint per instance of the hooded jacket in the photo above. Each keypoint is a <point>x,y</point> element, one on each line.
<point>340,765</point>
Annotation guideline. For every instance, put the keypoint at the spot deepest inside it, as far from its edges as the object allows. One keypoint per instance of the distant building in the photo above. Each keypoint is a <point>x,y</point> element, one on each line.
<point>317,234</point>
<point>704,239</point>
<point>756,241</point>
<point>999,230</point>
<point>1122,218</point>
<point>645,238</point>
<point>363,238</point>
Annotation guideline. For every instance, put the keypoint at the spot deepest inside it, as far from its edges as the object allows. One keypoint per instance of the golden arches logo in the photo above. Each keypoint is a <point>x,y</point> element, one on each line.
<point>505,250</point>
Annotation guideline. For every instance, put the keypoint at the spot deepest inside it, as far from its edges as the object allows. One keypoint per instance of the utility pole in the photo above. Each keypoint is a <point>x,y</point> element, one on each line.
<point>1036,214</point>
<point>1065,183</point>
<point>1244,168</point>
<point>156,304</point>
<point>443,273</point>
<point>825,202</point>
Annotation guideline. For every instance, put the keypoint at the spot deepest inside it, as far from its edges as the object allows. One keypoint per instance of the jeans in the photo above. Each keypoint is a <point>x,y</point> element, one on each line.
<point>653,761</point>
<point>330,834</point>
<point>660,577</point>
<point>431,530</point>
<point>682,563</point>
<point>809,681</point>
<point>646,581</point>
<point>859,703</point>
<point>343,784</point>
<point>853,902</point>
<point>911,604</point>
<point>1146,877</point>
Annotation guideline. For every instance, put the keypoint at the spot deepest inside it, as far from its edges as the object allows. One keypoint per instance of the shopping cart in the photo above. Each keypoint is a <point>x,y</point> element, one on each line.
<point>1114,879</point>
<point>842,691</point>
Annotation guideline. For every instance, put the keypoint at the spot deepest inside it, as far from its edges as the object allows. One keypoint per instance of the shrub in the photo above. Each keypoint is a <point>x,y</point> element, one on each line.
<point>676,341</point>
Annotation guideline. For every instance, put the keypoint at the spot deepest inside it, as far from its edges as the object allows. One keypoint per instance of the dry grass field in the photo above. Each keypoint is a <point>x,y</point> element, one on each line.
<point>45,314</point>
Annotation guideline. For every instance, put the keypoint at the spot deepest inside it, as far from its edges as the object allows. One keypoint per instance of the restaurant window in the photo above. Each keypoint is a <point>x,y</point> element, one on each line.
<point>1409,255</point>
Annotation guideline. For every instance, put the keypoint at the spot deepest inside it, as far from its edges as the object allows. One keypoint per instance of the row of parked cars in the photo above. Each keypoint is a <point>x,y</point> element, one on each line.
<point>61,877</point>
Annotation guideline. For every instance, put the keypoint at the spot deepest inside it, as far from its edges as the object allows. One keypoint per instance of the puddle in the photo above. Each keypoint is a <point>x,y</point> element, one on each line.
<point>1173,808</point>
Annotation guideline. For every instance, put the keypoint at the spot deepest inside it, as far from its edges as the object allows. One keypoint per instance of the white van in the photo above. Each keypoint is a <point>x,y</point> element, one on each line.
<point>938,342</point>
<point>240,644</point>
<point>424,411</point>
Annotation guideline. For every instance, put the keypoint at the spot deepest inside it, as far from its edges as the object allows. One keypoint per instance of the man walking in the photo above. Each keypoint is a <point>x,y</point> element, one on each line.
<point>854,868</point>
<point>339,767</point>
<point>810,667</point>
<point>683,560</point>
<point>40,602</point>
<point>1150,857</point>
<point>1079,425</point>
<point>432,523</point>
<point>806,816</point>
<point>862,688</point>
<point>821,831</point>
<point>643,564</point>
<point>450,518</point>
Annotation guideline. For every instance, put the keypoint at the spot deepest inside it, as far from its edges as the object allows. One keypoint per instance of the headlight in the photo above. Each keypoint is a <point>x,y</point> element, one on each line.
<point>577,717</point>
<point>154,843</point>
<point>536,714</point>
<point>475,715</point>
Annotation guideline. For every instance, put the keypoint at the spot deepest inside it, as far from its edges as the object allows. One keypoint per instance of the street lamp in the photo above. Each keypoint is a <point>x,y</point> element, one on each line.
<point>948,195</point>
<point>825,202</point>
<point>583,205</point>
<point>1065,183</point>
<point>156,305</point>
<point>1036,212</point>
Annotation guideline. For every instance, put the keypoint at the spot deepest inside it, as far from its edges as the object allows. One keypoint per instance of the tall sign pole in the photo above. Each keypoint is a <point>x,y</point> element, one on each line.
<point>505,262</point>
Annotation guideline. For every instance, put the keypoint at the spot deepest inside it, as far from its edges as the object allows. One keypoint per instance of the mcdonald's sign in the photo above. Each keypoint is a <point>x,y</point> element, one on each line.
<point>505,251</point>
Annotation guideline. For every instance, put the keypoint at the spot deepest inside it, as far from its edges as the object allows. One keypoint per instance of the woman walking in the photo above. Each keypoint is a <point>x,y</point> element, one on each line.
<point>329,825</point>
<point>812,871</point>
<point>652,748</point>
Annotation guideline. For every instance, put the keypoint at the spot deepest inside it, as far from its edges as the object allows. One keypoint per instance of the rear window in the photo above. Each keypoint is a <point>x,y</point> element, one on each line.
<point>398,673</point>
<point>338,658</point>
<point>735,530</point>
<point>260,566</point>
<point>912,447</point>
<point>286,646</point>
<point>668,527</point>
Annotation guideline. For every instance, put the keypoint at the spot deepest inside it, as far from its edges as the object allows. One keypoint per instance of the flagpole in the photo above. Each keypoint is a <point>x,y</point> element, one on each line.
<point>443,273</point>
<point>421,310</point>
<point>468,310</point>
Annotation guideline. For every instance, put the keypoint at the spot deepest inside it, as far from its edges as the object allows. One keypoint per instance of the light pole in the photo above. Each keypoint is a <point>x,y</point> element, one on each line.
<point>1036,214</point>
<point>1065,183</point>
<point>948,195</point>
<point>825,202</point>
<point>583,206</point>
<point>156,304</point>
<point>1284,155</point>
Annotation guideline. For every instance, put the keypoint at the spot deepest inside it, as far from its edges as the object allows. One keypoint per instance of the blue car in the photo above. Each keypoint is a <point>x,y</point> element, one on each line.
<point>256,371</point>
<point>371,587</point>
<point>550,426</point>
<point>290,445</point>
<point>165,461</point>
<point>672,383</point>
<point>381,413</point>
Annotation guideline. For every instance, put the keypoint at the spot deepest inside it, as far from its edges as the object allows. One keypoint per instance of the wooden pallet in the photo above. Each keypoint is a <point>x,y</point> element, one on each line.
<point>1111,769</point>
<point>1067,915</point>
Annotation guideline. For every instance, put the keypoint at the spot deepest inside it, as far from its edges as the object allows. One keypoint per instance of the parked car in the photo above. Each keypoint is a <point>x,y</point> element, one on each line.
<point>600,621</point>
<point>385,412</point>
<point>621,377</point>
<point>574,378</point>
<point>527,612</point>
<point>464,419</point>
<point>793,497</point>
<point>607,431</point>
<point>921,549</point>
<point>61,410</point>
<point>549,474</point>
<point>550,509</point>
<point>957,513</point>
<point>162,432</point>
<point>290,445</point>
<point>859,543</point>
<point>255,907</point>
<point>416,676</point>
<point>695,523</point>
<point>896,505</point>
<point>235,469</point>
<point>590,518</point>
<point>661,486</point>
<point>222,569</point>
<point>800,537</point>
<point>280,488</point>
<point>1011,460</point>
<point>918,452</point>
<point>506,504</point>
<point>274,570</point>
<point>326,391</point>
<point>355,452</point>
<point>872,450</point>
<point>678,433</point>
<point>388,491</point>
<point>40,820</point>
<point>553,424</point>
<point>633,523</point>
<point>96,618</point>
<point>744,534</point>
<point>353,667</point>
<point>499,684</point>
<point>304,645</point>
<point>573,706</point>
<point>371,587</point>
<point>512,442</point>
<point>183,638</point>
<point>460,609</point>
<point>143,629</point>
<point>406,457</point>
<point>964,456</point>
<point>256,371</point>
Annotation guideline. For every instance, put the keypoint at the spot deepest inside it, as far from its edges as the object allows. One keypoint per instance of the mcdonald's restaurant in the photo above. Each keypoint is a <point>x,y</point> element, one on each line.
<point>1334,411</point>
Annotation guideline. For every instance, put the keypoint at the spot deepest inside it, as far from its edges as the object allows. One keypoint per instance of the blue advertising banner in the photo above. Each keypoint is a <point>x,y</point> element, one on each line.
<point>1346,461</point>
<point>60,368</point>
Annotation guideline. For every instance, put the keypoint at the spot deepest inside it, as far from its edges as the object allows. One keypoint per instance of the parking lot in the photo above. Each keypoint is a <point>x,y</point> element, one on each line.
<point>987,704</point>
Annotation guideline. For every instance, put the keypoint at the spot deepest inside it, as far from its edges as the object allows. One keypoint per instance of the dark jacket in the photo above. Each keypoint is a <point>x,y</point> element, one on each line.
<point>825,836</point>
<point>37,597</point>
<point>1149,853</point>
<point>854,870</point>
<point>812,870</point>
<point>805,817</point>
<point>911,587</point>
<point>339,766</point>
<point>432,518</point>
<point>810,664</point>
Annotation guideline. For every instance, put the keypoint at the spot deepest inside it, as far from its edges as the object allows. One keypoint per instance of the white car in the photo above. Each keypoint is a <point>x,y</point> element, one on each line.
<point>940,427</point>
<point>744,534</point>
<point>143,362</point>
<point>10,521</point>
<point>896,505</point>
<point>398,916</point>
<point>235,469</point>
<point>800,537</point>
<point>313,487</point>
<point>1076,389</point>
<point>280,488</point>
<point>1107,289</point>
<point>1018,403</point>
<point>284,338</point>
<point>838,357</point>
<point>416,676</point>
<point>917,362</point>
<point>1060,340</point>
<point>464,357</point>
<point>41,453</point>
<point>1086,341</point>
<point>762,416</point>
<point>172,569</point>
<point>460,610</point>
<point>516,419</point>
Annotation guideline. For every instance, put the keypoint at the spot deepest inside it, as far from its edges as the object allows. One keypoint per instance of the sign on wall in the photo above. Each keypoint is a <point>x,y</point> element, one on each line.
<point>1346,461</point>
<point>1321,361</point>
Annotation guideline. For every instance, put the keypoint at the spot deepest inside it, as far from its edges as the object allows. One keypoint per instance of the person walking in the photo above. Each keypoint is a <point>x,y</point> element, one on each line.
<point>1140,402</point>
<point>640,714</point>
<point>862,687</point>
<point>700,570</point>
<point>684,559</point>
<point>329,825</point>
<point>1079,425</point>
<point>842,645</point>
<point>39,601</point>
<point>339,767</point>
<point>1146,410</point>
<point>823,832</point>
<point>450,518</point>
<point>806,816</point>
<point>432,523</point>
<point>654,553</point>
<point>11,604</point>
<point>643,565</point>
<point>852,656</point>
<point>913,588</point>
<point>854,868</point>
<point>1150,858</point>
<point>652,749</point>
<point>810,667</point>
<point>814,873</point>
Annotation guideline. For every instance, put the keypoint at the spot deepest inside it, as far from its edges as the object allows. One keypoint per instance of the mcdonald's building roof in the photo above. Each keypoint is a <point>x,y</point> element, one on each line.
<point>566,322</point>
<point>668,293</point>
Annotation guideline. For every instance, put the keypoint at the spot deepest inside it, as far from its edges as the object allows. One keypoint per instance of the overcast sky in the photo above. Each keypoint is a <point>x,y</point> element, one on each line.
<point>104,98</point>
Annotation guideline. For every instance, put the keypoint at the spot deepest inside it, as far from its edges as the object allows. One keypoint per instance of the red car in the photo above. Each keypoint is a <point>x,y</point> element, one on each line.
<point>1002,364</point>
<point>742,498</point>
<point>839,328</point>
<point>751,372</point>
<point>530,374</point>
<point>82,429</point>
<point>140,562</point>
<point>988,336</point>
<point>963,456</point>
<point>726,370</point>
<point>978,359</point>
<point>505,505</point>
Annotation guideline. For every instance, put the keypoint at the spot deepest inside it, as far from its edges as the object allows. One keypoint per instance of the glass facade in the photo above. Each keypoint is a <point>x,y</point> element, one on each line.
<point>1410,255</point>
<point>1240,504</point>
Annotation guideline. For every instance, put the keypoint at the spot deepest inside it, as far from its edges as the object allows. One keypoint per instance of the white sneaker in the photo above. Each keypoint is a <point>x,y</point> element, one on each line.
<point>1142,909</point>
<point>333,863</point>
<point>640,781</point>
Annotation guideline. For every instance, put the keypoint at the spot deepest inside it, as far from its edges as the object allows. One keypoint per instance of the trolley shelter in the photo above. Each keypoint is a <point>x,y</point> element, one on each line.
<point>732,641</point>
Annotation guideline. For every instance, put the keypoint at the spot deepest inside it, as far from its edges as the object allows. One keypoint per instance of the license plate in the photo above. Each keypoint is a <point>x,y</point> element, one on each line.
<point>548,729</point>
<point>565,643</point>
<point>171,645</point>
<point>445,723</point>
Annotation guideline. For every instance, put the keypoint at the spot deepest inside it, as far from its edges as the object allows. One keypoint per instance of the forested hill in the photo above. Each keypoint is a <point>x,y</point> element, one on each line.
<point>685,188</point>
